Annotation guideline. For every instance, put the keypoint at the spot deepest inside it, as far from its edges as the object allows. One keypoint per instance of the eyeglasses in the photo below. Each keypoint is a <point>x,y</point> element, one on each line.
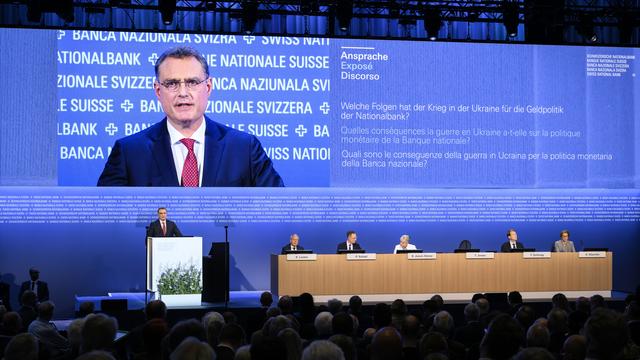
<point>174,85</point>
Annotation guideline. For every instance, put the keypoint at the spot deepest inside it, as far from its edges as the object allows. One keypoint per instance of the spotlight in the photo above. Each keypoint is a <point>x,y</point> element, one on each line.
<point>585,28</point>
<point>249,15</point>
<point>344,13</point>
<point>510,17</point>
<point>167,10</point>
<point>432,22</point>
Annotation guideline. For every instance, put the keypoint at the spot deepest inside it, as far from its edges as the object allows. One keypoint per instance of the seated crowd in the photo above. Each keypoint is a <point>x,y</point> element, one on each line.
<point>584,329</point>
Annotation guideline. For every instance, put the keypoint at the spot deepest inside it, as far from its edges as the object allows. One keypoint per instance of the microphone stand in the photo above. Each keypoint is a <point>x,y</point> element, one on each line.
<point>226,267</point>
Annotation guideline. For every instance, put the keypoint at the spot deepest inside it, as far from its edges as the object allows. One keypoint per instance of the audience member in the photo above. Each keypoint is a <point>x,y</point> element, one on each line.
<point>46,333</point>
<point>534,353</point>
<point>22,347</point>
<point>606,333</point>
<point>503,338</point>
<point>558,325</point>
<point>538,336</point>
<point>322,350</point>
<point>515,302</point>
<point>574,348</point>
<point>433,343</point>
<point>27,309</point>
<point>342,324</point>
<point>346,344</point>
<point>410,337</point>
<point>212,322</point>
<point>386,344</point>
<point>98,333</point>
<point>192,348</point>
<point>285,304</point>
<point>335,306</point>
<point>86,308</point>
<point>323,325</point>
<point>292,343</point>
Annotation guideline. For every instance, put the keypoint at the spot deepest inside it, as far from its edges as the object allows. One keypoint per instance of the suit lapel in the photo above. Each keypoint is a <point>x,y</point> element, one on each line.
<point>163,157</point>
<point>213,149</point>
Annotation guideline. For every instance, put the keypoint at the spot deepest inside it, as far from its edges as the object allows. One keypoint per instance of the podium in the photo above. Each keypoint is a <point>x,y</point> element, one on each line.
<point>174,269</point>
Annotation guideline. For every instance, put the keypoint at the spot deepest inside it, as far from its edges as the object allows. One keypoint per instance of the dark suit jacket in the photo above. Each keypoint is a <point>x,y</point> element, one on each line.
<point>5,298</point>
<point>43,290</point>
<point>506,247</point>
<point>156,230</point>
<point>343,246</point>
<point>232,158</point>
<point>288,248</point>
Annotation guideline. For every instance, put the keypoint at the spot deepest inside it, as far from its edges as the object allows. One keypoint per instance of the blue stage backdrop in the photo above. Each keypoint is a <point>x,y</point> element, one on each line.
<point>442,141</point>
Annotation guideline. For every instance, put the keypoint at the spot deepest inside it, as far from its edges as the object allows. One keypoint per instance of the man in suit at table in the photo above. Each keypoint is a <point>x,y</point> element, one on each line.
<point>294,241</point>
<point>512,242</point>
<point>163,227</point>
<point>186,148</point>
<point>39,287</point>
<point>350,243</point>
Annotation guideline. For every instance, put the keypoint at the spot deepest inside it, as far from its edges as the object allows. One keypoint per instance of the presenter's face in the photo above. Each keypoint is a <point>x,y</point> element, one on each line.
<point>513,236</point>
<point>162,214</point>
<point>404,243</point>
<point>564,237</point>
<point>295,240</point>
<point>184,106</point>
<point>352,238</point>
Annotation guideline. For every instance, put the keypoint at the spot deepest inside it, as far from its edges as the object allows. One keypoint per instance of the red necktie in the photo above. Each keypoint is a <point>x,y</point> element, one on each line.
<point>164,228</point>
<point>190,176</point>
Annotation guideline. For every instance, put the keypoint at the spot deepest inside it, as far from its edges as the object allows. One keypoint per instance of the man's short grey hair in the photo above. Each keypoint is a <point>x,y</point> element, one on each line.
<point>483,306</point>
<point>334,305</point>
<point>193,349</point>
<point>443,322</point>
<point>74,332</point>
<point>471,312</point>
<point>322,350</point>
<point>22,347</point>
<point>182,52</point>
<point>322,323</point>
<point>405,236</point>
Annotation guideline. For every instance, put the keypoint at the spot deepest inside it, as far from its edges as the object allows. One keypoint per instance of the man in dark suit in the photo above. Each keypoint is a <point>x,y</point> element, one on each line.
<point>350,243</point>
<point>512,242</point>
<point>5,298</point>
<point>293,245</point>
<point>162,226</point>
<point>39,287</point>
<point>186,148</point>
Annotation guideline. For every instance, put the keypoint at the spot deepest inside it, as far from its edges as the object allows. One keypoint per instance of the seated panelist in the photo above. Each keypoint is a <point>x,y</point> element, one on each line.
<point>350,243</point>
<point>404,244</point>
<point>294,244</point>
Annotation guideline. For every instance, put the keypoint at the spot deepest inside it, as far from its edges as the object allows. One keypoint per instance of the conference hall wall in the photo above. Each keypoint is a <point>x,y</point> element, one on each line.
<point>441,141</point>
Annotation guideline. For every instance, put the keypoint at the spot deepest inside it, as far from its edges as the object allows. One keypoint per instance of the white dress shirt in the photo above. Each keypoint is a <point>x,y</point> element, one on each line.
<point>180,151</point>
<point>409,247</point>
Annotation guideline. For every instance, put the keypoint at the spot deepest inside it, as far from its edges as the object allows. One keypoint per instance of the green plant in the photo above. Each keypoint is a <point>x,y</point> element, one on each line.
<point>182,279</point>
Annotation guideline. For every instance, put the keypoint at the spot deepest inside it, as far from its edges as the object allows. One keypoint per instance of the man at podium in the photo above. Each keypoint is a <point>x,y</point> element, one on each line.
<point>163,227</point>
<point>294,244</point>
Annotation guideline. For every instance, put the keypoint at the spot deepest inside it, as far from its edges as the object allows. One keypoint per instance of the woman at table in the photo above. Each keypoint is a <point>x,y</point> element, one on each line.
<point>404,244</point>
<point>564,244</point>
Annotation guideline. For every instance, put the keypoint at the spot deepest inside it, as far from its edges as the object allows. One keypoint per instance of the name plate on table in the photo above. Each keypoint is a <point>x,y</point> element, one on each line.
<point>302,257</point>
<point>592,254</point>
<point>480,255</point>
<point>536,255</point>
<point>370,256</point>
<point>421,256</point>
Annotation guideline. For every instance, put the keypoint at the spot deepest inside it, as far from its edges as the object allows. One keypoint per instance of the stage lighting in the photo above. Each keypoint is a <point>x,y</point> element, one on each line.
<point>344,13</point>
<point>167,10</point>
<point>510,17</point>
<point>432,21</point>
<point>308,7</point>
<point>249,15</point>
<point>586,29</point>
